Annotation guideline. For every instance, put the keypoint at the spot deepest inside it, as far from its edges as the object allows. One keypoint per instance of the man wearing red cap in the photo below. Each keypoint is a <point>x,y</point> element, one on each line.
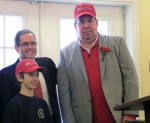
<point>25,107</point>
<point>95,73</point>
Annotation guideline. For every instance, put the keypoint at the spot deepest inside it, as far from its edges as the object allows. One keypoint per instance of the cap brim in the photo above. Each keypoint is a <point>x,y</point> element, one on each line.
<point>84,13</point>
<point>41,69</point>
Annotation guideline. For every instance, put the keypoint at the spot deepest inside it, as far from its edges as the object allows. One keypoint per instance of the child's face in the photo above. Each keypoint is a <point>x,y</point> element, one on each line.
<point>30,80</point>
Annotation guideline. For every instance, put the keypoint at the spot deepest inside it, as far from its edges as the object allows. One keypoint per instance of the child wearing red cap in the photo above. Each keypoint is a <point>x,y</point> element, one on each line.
<point>25,107</point>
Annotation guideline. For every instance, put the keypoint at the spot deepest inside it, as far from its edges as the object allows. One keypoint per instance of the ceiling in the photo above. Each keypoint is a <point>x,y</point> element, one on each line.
<point>94,2</point>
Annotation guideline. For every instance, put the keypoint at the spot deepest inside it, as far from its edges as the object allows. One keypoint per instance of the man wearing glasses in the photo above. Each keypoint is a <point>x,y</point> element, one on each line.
<point>26,46</point>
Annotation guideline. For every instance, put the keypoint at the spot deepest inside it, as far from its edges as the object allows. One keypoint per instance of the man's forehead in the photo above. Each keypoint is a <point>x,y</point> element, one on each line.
<point>26,34</point>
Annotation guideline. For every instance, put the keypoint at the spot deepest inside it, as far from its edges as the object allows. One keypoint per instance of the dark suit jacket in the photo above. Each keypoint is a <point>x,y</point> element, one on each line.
<point>9,86</point>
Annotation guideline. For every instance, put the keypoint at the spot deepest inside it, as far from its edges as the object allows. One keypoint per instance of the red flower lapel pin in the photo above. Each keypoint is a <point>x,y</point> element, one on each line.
<point>104,51</point>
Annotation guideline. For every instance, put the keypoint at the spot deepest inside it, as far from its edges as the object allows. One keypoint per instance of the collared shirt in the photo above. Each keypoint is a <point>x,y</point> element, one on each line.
<point>100,109</point>
<point>88,50</point>
<point>44,90</point>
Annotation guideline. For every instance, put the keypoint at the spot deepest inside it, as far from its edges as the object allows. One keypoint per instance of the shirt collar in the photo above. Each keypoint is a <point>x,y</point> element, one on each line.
<point>88,50</point>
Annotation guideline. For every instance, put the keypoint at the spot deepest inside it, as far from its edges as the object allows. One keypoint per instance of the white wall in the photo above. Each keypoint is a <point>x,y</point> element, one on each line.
<point>43,20</point>
<point>29,11</point>
<point>52,12</point>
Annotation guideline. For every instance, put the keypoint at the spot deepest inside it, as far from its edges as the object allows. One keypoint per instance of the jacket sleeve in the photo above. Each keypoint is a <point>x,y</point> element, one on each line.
<point>129,75</point>
<point>64,92</point>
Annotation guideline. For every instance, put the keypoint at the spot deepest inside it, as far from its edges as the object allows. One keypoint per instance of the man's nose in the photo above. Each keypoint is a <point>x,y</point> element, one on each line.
<point>86,24</point>
<point>30,45</point>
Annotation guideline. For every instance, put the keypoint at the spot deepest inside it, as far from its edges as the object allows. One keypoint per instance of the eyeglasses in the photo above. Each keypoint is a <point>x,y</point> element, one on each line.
<point>26,44</point>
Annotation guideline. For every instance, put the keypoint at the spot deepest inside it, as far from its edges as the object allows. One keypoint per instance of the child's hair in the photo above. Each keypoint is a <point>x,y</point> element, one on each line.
<point>22,76</point>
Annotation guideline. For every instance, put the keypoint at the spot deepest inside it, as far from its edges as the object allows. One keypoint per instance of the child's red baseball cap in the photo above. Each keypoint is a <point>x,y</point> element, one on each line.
<point>28,65</point>
<point>84,8</point>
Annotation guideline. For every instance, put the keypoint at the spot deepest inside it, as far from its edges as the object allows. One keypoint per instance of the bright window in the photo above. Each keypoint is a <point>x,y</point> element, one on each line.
<point>68,33</point>
<point>9,24</point>
<point>104,27</point>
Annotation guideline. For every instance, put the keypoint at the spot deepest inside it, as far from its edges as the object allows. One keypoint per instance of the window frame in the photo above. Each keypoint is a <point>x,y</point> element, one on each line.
<point>5,48</point>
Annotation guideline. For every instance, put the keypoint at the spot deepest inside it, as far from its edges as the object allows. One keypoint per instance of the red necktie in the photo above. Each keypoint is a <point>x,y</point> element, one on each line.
<point>38,90</point>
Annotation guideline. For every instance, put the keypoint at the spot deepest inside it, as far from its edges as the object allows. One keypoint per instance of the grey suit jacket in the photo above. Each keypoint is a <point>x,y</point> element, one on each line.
<point>118,76</point>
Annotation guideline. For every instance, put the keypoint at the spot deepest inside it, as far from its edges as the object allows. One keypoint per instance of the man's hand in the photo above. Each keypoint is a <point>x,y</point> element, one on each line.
<point>126,118</point>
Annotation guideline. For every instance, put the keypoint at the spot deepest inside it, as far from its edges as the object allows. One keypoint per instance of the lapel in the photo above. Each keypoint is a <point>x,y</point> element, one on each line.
<point>102,42</point>
<point>45,74</point>
<point>16,62</point>
<point>80,61</point>
<point>42,65</point>
<point>78,55</point>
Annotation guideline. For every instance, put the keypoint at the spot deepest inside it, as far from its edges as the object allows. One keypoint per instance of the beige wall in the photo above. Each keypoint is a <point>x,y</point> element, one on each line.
<point>144,42</point>
<point>144,39</point>
<point>50,13</point>
<point>43,19</point>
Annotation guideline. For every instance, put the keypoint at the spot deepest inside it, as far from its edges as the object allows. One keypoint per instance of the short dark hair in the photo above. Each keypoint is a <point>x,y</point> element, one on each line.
<point>21,32</point>
<point>22,75</point>
<point>85,15</point>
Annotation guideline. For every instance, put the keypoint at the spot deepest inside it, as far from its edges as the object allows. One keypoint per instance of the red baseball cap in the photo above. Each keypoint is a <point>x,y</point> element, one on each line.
<point>28,65</point>
<point>84,8</point>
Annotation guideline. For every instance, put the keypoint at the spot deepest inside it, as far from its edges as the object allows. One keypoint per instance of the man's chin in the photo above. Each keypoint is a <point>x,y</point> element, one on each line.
<point>87,37</point>
<point>29,57</point>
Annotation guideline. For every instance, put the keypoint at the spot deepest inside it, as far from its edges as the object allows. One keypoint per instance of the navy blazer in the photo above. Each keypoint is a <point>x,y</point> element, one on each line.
<point>9,86</point>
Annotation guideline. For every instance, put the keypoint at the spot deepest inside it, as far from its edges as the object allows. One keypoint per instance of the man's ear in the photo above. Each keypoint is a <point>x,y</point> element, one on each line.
<point>16,48</point>
<point>19,78</point>
<point>75,25</point>
<point>97,22</point>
